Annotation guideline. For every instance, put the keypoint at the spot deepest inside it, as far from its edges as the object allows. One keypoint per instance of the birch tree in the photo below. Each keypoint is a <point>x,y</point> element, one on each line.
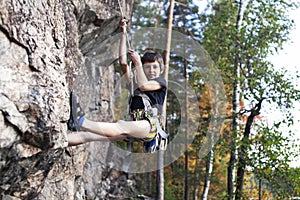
<point>240,45</point>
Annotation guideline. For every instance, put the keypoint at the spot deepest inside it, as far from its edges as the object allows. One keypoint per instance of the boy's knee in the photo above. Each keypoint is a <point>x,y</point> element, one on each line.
<point>122,126</point>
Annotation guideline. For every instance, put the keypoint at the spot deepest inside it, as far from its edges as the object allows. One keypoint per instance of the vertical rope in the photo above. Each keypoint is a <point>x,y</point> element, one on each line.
<point>123,16</point>
<point>130,142</point>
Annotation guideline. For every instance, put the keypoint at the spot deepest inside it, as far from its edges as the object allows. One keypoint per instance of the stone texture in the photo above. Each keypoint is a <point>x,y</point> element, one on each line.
<point>47,49</point>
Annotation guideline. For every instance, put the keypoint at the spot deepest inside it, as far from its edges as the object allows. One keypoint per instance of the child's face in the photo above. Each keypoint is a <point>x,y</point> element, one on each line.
<point>151,70</point>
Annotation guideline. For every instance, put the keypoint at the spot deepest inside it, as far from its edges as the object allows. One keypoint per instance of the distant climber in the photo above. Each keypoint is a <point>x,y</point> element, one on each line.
<point>145,104</point>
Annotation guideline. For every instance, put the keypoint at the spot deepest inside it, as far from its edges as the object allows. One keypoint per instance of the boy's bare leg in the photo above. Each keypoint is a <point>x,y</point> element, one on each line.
<point>84,137</point>
<point>138,129</point>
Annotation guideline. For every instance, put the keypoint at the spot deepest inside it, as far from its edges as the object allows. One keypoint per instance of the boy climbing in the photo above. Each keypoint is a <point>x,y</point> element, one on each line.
<point>146,102</point>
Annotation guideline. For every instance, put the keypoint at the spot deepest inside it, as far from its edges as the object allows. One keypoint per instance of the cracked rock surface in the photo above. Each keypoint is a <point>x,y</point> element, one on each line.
<point>47,49</point>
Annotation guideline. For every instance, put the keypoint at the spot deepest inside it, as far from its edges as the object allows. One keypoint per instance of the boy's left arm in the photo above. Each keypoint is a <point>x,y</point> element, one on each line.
<point>150,86</point>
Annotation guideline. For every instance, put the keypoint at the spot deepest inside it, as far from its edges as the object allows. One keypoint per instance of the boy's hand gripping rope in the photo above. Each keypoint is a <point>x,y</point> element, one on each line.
<point>122,15</point>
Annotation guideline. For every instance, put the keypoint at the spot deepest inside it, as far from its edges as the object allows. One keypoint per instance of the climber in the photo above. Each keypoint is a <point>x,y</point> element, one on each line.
<point>146,102</point>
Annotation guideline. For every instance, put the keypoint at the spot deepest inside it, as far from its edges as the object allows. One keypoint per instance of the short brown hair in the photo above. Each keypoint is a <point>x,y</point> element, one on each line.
<point>152,56</point>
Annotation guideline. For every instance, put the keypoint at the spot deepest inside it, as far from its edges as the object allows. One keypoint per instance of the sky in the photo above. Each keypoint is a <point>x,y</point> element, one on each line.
<point>289,58</point>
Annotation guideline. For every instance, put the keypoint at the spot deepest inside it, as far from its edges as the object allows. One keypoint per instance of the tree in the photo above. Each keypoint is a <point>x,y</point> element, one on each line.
<point>243,44</point>
<point>239,40</point>
<point>270,162</point>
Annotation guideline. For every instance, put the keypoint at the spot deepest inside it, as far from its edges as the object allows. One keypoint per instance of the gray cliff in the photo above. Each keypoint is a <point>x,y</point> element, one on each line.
<point>49,48</point>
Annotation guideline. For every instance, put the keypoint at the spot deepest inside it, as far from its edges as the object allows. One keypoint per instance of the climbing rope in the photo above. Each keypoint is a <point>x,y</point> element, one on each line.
<point>130,142</point>
<point>123,16</point>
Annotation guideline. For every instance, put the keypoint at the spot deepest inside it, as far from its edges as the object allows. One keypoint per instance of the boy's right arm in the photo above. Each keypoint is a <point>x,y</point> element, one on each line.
<point>143,83</point>
<point>123,50</point>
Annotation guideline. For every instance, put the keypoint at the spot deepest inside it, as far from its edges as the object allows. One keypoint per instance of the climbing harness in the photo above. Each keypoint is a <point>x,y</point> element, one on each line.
<point>157,138</point>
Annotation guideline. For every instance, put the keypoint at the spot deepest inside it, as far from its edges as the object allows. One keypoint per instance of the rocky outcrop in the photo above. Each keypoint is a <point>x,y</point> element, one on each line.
<point>48,48</point>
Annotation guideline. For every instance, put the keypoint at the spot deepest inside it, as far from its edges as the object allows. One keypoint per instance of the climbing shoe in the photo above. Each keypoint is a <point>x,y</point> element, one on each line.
<point>76,115</point>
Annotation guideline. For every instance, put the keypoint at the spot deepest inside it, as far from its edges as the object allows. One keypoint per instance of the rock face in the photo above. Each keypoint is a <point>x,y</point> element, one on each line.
<point>48,48</point>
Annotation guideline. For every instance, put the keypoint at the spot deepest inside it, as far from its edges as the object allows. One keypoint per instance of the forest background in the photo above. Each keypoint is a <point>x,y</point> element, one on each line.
<point>252,158</point>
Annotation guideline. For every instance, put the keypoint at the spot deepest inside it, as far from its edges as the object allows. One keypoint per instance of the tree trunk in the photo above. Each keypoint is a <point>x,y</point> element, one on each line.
<point>209,168</point>
<point>160,171</point>
<point>196,178</point>
<point>260,189</point>
<point>235,108</point>
<point>243,150</point>
<point>235,130</point>
<point>160,176</point>
<point>186,154</point>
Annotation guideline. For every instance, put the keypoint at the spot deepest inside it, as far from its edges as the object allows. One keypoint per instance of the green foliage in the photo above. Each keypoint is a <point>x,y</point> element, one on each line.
<point>173,115</point>
<point>270,156</point>
<point>263,30</point>
<point>247,44</point>
<point>265,27</point>
<point>170,192</point>
<point>149,13</point>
